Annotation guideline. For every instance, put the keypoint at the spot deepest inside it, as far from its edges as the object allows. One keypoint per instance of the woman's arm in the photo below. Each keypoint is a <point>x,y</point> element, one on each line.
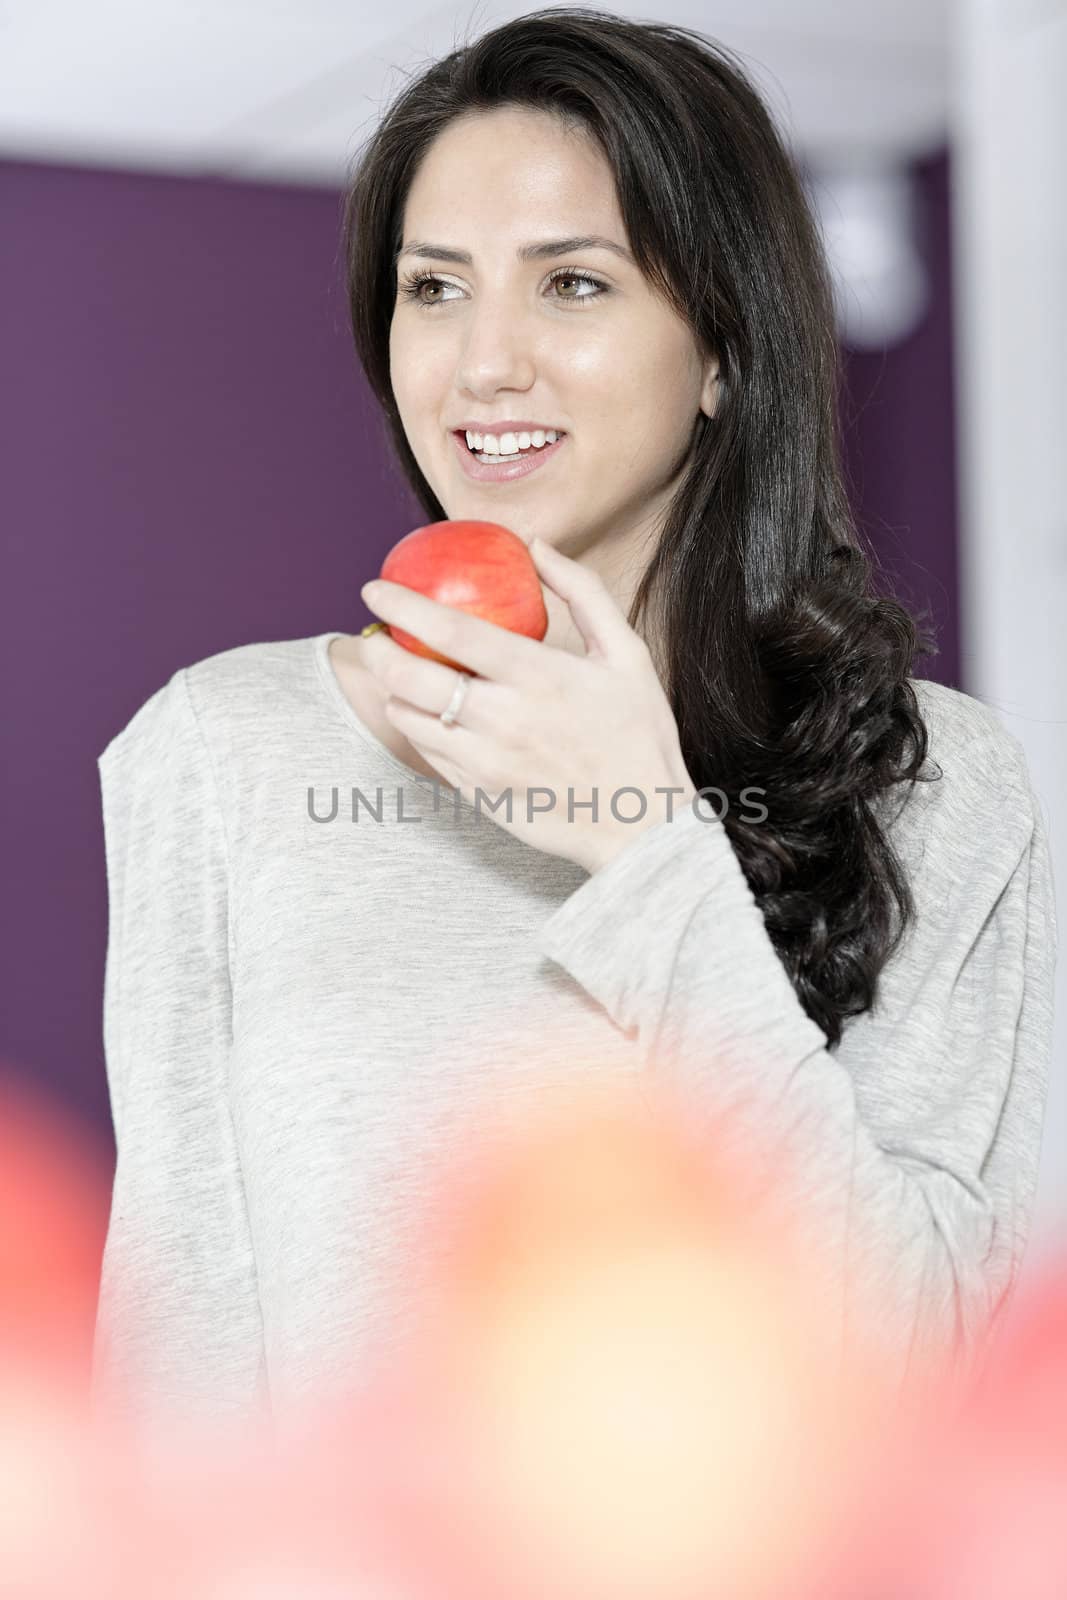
<point>179,1332</point>
<point>915,1145</point>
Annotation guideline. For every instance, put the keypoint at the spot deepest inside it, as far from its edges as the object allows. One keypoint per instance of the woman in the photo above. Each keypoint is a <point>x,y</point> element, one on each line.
<point>304,1000</point>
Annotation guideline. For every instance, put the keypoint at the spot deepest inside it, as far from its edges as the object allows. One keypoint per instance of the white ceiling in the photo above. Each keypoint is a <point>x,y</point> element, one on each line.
<point>289,89</point>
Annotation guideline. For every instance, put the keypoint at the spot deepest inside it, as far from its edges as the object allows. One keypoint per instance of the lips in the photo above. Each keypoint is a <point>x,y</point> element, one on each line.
<point>505,471</point>
<point>497,428</point>
<point>461,434</point>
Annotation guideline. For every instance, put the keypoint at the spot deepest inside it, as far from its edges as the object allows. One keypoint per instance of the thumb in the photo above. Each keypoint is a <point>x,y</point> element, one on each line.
<point>596,612</point>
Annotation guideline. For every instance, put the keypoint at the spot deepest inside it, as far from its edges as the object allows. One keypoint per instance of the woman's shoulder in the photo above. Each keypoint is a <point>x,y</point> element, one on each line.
<point>978,753</point>
<point>974,793</point>
<point>270,660</point>
<point>242,687</point>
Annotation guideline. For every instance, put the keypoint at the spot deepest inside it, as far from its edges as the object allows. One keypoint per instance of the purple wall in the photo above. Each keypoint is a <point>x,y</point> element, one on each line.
<point>190,462</point>
<point>898,413</point>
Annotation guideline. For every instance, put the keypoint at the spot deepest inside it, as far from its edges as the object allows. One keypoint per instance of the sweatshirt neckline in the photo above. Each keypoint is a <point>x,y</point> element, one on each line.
<point>321,647</point>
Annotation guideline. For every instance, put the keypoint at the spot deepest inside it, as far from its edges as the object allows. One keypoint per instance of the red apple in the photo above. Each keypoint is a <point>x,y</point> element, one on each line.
<point>480,567</point>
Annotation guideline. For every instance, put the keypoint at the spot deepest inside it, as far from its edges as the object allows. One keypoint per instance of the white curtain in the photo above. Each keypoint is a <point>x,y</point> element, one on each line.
<point>1010,247</point>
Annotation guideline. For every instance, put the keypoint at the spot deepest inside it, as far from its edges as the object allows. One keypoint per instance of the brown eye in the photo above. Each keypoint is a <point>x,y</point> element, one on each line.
<point>596,287</point>
<point>412,287</point>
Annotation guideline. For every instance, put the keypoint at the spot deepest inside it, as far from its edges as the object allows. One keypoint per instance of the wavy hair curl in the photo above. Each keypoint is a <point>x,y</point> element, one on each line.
<point>786,670</point>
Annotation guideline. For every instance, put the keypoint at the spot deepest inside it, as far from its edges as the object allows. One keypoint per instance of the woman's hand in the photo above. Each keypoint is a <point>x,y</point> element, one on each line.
<point>536,722</point>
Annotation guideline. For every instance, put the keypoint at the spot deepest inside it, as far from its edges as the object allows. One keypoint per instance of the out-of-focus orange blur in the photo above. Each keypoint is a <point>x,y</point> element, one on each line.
<point>617,1383</point>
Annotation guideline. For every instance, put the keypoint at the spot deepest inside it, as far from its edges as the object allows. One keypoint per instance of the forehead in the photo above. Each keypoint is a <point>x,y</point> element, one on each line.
<point>510,166</point>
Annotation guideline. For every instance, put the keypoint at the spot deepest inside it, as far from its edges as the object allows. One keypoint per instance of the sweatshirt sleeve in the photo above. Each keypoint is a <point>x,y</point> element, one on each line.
<point>179,1333</point>
<point>915,1145</point>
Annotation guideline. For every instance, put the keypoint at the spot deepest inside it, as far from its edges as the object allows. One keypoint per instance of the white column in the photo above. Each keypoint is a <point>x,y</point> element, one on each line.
<point>1010,247</point>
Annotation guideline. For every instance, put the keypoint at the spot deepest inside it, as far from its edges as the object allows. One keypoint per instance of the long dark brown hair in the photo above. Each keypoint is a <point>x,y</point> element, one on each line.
<point>786,670</point>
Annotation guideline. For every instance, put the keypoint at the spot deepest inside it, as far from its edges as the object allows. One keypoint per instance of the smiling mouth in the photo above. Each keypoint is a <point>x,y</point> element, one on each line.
<point>518,455</point>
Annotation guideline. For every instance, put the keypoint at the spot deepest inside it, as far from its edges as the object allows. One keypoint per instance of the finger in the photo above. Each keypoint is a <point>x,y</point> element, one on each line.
<point>428,685</point>
<point>483,647</point>
<point>596,612</point>
<point>447,746</point>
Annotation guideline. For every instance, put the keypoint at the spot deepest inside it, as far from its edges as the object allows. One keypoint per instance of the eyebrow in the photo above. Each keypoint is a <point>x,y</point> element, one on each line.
<point>544,250</point>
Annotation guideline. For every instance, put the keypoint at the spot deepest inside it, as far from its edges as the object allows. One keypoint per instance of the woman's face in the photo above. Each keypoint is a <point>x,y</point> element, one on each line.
<point>498,338</point>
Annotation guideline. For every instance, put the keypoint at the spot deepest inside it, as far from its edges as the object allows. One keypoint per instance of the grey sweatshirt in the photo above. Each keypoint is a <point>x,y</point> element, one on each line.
<point>302,1009</point>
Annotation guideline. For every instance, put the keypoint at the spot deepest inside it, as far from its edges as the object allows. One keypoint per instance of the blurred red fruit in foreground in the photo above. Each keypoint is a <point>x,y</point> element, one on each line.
<point>53,1220</point>
<point>618,1386</point>
<point>640,1394</point>
<point>980,1513</point>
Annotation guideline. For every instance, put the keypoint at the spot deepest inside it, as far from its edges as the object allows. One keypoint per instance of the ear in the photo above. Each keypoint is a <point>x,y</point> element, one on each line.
<point>709,395</point>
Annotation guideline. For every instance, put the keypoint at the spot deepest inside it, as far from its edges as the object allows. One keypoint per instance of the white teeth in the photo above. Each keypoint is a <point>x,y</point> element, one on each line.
<point>506,444</point>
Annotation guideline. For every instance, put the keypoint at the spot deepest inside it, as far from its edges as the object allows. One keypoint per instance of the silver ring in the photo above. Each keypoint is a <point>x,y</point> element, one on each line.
<point>449,715</point>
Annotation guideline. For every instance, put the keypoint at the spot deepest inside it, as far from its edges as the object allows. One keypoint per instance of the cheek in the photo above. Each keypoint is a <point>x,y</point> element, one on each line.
<point>644,459</point>
<point>649,394</point>
<point>422,379</point>
<point>407,358</point>
<point>400,374</point>
<point>667,440</point>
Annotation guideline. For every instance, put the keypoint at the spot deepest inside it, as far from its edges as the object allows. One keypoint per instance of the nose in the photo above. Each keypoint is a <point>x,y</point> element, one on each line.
<point>498,348</point>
